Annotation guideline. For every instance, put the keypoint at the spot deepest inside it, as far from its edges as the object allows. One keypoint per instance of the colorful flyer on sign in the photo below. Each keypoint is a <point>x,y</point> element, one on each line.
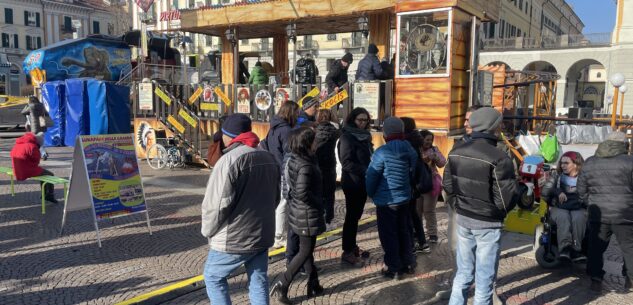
<point>115,180</point>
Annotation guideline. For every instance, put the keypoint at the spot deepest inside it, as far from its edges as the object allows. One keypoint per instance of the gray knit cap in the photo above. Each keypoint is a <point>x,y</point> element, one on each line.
<point>485,119</point>
<point>392,125</point>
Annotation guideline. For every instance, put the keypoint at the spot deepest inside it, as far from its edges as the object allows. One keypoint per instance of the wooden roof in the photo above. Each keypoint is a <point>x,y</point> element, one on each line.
<point>266,19</point>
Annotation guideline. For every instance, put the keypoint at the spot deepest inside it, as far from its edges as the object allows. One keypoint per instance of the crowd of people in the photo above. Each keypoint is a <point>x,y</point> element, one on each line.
<point>296,164</point>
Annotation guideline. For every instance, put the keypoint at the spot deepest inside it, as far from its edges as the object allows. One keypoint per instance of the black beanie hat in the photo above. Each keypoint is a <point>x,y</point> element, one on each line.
<point>348,58</point>
<point>236,124</point>
<point>372,49</point>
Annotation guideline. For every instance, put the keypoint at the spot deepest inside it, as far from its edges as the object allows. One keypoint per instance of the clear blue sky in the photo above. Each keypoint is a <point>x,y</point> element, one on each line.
<point>597,15</point>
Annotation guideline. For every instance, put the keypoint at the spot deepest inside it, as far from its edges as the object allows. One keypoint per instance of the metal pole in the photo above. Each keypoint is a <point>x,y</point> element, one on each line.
<point>184,67</point>
<point>294,59</point>
<point>614,108</point>
<point>621,106</point>
<point>236,69</point>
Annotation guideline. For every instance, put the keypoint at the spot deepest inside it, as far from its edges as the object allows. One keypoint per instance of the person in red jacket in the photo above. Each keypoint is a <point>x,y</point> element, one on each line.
<point>25,157</point>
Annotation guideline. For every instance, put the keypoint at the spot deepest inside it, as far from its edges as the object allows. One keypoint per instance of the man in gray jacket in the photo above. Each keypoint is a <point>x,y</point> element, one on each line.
<point>238,212</point>
<point>605,185</point>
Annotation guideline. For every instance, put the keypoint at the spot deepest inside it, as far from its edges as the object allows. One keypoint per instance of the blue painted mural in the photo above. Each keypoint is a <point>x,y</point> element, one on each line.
<point>98,58</point>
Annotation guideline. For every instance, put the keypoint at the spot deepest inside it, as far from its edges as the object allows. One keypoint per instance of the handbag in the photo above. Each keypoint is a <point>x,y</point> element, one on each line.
<point>214,153</point>
<point>549,148</point>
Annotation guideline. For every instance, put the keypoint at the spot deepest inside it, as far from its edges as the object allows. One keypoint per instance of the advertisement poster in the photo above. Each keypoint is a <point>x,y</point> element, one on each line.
<point>207,94</point>
<point>367,95</point>
<point>243,100</point>
<point>145,96</point>
<point>281,95</point>
<point>113,174</point>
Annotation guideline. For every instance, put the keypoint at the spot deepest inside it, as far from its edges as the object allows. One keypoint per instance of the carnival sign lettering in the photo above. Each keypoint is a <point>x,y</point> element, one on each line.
<point>331,102</point>
<point>170,15</point>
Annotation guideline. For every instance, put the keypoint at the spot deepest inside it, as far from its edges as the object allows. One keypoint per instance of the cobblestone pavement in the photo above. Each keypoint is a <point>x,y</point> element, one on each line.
<point>37,266</point>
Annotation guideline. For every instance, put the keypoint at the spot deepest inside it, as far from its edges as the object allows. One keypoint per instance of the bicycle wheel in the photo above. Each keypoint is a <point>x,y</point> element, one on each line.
<point>157,156</point>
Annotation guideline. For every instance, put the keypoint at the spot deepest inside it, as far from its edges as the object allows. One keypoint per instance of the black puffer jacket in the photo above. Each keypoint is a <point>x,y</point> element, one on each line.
<point>553,187</point>
<point>479,180</point>
<point>369,68</point>
<point>354,155</point>
<point>325,141</point>
<point>277,138</point>
<point>337,76</point>
<point>605,184</point>
<point>306,213</point>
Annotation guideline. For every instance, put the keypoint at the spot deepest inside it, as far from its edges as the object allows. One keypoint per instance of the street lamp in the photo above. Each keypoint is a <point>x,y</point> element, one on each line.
<point>231,35</point>
<point>623,90</point>
<point>616,80</point>
<point>363,25</point>
<point>291,32</point>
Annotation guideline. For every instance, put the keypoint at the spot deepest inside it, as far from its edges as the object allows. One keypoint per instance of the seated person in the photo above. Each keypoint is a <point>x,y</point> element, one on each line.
<point>566,209</point>
<point>25,157</point>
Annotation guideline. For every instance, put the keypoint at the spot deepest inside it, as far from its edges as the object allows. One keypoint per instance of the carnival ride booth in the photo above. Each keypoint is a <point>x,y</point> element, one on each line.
<point>85,107</point>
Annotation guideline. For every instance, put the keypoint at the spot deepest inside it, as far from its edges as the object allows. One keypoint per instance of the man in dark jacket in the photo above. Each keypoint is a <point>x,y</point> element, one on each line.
<point>479,182</point>
<point>605,185</point>
<point>369,67</point>
<point>337,76</point>
<point>306,71</point>
<point>238,212</point>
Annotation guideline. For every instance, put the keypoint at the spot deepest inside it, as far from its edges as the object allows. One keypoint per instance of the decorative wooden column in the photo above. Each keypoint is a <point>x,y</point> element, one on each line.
<point>379,32</point>
<point>228,61</point>
<point>280,57</point>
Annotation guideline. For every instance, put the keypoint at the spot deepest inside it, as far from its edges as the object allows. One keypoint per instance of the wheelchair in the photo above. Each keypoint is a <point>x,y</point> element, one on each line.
<point>546,242</point>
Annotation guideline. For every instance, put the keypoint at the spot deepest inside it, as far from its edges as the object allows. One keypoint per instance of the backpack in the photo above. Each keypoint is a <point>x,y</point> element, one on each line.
<point>423,179</point>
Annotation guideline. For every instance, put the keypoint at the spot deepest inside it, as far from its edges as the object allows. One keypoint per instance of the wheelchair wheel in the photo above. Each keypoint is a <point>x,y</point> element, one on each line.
<point>157,156</point>
<point>545,259</point>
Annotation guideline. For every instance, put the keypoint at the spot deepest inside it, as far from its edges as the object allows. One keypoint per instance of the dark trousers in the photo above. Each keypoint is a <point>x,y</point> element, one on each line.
<point>599,235</point>
<point>49,192</point>
<point>355,198</point>
<point>394,232</point>
<point>292,245</point>
<point>328,176</point>
<point>418,228</point>
<point>304,258</point>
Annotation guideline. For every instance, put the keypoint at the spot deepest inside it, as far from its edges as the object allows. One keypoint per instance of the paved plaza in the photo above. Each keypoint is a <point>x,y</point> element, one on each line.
<point>38,266</point>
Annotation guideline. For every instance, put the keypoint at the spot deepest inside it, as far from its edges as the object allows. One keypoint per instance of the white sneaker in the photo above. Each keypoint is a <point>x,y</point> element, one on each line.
<point>279,243</point>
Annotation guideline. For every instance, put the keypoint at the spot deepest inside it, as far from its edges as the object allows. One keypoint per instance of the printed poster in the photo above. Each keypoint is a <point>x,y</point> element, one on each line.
<point>367,95</point>
<point>113,174</point>
<point>145,96</point>
<point>281,96</point>
<point>243,100</point>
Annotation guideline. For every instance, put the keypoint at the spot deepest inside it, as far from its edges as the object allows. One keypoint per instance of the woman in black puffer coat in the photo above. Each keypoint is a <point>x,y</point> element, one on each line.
<point>326,136</point>
<point>305,215</point>
<point>354,152</point>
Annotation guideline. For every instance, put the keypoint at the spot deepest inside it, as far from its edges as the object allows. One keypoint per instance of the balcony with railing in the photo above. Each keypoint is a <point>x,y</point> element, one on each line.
<point>548,42</point>
<point>261,47</point>
<point>307,45</point>
<point>348,43</point>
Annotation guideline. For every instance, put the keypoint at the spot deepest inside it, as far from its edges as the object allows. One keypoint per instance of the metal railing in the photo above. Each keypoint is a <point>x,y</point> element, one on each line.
<point>307,45</point>
<point>548,42</point>
<point>351,43</point>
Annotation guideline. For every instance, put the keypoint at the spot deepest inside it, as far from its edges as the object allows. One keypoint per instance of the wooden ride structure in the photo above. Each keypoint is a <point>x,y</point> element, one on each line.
<point>434,46</point>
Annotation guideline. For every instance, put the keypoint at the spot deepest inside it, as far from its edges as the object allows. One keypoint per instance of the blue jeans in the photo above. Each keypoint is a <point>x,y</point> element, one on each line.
<point>220,265</point>
<point>477,259</point>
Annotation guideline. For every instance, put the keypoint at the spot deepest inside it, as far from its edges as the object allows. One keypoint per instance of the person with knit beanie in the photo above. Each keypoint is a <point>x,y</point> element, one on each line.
<point>337,75</point>
<point>481,186</point>
<point>238,212</point>
<point>369,67</point>
<point>388,184</point>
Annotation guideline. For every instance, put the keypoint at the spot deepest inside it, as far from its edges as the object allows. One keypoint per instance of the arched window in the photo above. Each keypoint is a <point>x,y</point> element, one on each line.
<point>590,90</point>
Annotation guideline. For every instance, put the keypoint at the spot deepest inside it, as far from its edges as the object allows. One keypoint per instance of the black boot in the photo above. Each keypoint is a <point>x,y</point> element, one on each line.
<point>281,290</point>
<point>49,193</point>
<point>314,288</point>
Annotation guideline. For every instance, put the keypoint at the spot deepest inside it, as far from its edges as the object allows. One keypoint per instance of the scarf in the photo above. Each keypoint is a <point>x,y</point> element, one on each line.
<point>362,135</point>
<point>247,138</point>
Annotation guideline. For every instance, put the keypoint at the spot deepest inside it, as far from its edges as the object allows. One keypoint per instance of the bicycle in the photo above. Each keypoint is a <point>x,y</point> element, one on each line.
<point>166,152</point>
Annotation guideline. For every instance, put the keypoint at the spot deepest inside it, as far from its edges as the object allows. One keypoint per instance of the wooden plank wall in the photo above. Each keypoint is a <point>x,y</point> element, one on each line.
<point>280,56</point>
<point>460,64</point>
<point>380,31</point>
<point>426,100</point>
<point>227,61</point>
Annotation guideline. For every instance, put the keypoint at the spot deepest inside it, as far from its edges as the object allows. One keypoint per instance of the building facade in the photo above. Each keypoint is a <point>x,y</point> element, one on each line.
<point>27,25</point>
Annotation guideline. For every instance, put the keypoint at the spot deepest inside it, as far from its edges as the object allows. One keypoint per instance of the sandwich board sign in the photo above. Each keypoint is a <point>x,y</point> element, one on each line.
<point>105,178</point>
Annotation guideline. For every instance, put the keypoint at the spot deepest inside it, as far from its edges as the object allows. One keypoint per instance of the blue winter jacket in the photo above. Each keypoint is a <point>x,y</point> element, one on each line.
<point>389,173</point>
